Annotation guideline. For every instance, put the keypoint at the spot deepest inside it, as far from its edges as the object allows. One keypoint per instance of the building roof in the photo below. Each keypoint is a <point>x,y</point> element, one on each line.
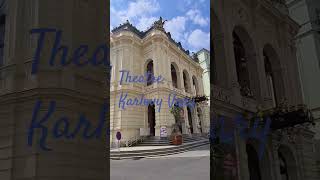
<point>203,50</point>
<point>127,26</point>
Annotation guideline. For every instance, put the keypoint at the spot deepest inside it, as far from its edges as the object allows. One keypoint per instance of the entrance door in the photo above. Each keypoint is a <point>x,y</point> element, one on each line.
<point>200,119</point>
<point>152,119</point>
<point>190,120</point>
<point>253,163</point>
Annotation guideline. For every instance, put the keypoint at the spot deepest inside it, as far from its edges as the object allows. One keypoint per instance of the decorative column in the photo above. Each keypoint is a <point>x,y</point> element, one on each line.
<point>242,163</point>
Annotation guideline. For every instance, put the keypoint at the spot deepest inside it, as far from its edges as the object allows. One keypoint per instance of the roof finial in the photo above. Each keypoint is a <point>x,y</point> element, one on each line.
<point>159,24</point>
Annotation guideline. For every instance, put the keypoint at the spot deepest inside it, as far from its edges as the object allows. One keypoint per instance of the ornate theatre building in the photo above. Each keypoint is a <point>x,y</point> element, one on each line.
<point>255,75</point>
<point>153,52</point>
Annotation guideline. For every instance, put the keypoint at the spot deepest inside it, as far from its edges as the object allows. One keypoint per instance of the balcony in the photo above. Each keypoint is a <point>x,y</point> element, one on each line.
<point>288,117</point>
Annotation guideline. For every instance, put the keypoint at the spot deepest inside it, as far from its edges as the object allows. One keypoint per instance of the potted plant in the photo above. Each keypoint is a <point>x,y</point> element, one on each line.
<point>176,135</point>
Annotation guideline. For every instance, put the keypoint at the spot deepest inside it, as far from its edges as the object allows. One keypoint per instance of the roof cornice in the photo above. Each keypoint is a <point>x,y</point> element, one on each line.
<point>157,25</point>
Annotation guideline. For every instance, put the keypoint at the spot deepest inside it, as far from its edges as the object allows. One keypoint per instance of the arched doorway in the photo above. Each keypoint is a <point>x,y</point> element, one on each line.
<point>253,163</point>
<point>179,121</point>
<point>283,167</point>
<point>149,71</point>
<point>200,119</point>
<point>190,120</point>
<point>288,165</point>
<point>152,119</point>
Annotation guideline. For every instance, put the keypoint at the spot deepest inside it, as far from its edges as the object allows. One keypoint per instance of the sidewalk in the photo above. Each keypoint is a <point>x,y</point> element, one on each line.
<point>137,148</point>
<point>203,151</point>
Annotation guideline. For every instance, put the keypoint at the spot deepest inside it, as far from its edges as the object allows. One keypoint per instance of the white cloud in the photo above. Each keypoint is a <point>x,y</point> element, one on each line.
<point>142,8</point>
<point>138,12</point>
<point>176,26</point>
<point>195,16</point>
<point>115,17</point>
<point>199,39</point>
<point>145,22</point>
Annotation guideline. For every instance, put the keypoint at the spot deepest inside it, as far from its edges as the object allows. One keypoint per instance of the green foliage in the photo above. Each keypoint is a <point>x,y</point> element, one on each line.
<point>175,110</point>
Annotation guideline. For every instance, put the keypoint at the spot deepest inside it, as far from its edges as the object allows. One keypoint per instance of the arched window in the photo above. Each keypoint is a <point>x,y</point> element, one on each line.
<point>195,85</point>
<point>186,81</point>
<point>242,66</point>
<point>174,76</point>
<point>274,77</point>
<point>149,72</point>
<point>246,63</point>
<point>270,79</point>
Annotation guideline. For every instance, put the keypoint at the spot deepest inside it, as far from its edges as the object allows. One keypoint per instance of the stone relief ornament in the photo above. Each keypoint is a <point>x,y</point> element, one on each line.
<point>159,24</point>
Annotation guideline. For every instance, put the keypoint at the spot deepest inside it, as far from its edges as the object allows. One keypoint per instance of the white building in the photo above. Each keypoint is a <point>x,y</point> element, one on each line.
<point>153,51</point>
<point>204,61</point>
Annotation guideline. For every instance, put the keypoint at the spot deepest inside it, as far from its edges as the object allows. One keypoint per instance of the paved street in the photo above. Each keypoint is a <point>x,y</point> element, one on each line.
<point>192,165</point>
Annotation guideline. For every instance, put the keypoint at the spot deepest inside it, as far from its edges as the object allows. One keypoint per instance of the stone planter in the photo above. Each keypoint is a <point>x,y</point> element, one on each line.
<point>176,139</point>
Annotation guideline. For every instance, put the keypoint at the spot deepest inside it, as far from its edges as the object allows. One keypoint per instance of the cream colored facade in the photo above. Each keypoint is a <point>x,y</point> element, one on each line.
<point>133,50</point>
<point>246,35</point>
<point>75,90</point>
<point>204,60</point>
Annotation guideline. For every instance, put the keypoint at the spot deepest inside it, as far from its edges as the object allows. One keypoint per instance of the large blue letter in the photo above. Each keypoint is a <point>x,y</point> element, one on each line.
<point>98,131</point>
<point>263,137</point>
<point>224,137</point>
<point>78,53</point>
<point>56,48</point>
<point>35,124</point>
<point>105,60</point>
<point>242,124</point>
<point>122,100</point>
<point>42,32</point>
<point>57,132</point>
<point>86,124</point>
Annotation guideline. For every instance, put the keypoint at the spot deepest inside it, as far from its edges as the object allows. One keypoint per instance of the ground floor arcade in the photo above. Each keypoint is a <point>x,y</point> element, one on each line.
<point>136,121</point>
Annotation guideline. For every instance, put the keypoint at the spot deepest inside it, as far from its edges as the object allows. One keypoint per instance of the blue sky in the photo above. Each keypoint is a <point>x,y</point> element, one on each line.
<point>188,20</point>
